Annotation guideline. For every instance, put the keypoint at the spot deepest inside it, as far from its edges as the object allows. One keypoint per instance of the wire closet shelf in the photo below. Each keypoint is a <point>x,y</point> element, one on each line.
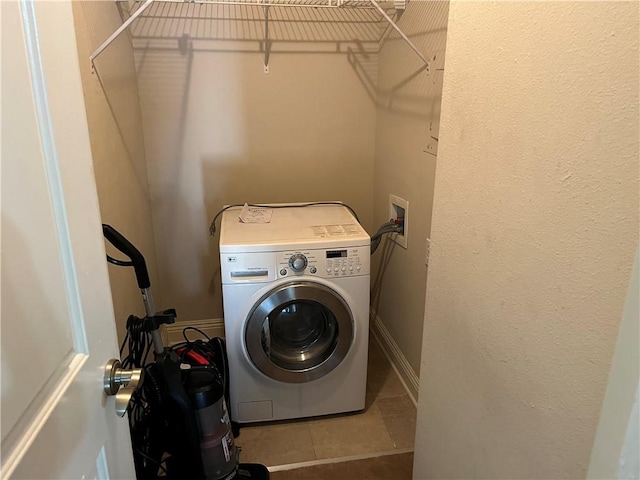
<point>333,4</point>
<point>287,3</point>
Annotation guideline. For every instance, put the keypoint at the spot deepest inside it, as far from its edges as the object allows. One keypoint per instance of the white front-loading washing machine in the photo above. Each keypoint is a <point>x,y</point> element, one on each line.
<point>296,312</point>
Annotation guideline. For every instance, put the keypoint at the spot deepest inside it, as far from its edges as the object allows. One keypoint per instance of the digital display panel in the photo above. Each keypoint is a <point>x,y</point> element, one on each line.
<point>336,253</point>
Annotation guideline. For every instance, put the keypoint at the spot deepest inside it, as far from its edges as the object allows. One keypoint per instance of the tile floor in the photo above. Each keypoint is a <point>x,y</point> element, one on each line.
<point>387,425</point>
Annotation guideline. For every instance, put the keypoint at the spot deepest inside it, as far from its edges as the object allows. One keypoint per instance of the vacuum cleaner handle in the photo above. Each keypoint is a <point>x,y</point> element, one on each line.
<point>125,246</point>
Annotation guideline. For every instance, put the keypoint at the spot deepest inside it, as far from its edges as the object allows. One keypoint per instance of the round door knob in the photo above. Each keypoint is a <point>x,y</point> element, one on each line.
<point>298,262</point>
<point>116,377</point>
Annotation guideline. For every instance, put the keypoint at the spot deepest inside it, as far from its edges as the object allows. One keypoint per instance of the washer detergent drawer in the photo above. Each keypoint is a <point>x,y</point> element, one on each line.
<point>248,267</point>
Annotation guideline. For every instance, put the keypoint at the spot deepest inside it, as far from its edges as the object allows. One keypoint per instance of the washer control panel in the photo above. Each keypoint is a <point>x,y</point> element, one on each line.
<point>326,263</point>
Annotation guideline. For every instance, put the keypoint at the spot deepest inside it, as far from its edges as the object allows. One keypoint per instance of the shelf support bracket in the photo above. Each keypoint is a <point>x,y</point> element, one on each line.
<point>117,33</point>
<point>393,24</point>
<point>267,44</point>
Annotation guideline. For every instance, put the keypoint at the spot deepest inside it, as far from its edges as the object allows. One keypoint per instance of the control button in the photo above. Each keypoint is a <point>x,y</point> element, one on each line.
<point>328,270</point>
<point>313,270</point>
<point>283,271</point>
<point>298,262</point>
<point>344,269</point>
<point>358,268</point>
<point>351,269</point>
<point>335,269</point>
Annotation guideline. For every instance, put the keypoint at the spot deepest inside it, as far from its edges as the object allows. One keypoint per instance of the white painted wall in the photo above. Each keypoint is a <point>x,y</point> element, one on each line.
<point>629,462</point>
<point>535,226</point>
<point>407,128</point>
<point>218,130</point>
<point>616,448</point>
<point>115,128</point>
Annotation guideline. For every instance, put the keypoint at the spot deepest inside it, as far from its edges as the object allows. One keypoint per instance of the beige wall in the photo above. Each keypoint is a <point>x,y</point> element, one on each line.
<point>534,231</point>
<point>408,115</point>
<point>117,145</point>
<point>218,130</point>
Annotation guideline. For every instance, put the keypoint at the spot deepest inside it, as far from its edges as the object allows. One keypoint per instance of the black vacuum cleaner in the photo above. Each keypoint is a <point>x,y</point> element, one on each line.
<point>179,422</point>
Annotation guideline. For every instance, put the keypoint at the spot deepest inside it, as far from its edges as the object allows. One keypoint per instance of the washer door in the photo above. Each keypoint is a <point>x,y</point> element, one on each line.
<point>299,332</point>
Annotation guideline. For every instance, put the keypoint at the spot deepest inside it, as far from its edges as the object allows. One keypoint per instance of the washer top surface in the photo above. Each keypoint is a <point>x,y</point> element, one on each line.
<point>292,227</point>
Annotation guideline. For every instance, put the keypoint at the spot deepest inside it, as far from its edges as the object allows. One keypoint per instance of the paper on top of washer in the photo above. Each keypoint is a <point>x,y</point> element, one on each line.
<point>344,230</point>
<point>255,214</point>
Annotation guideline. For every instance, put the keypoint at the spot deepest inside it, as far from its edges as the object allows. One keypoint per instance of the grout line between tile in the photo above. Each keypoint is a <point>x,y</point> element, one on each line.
<point>325,461</point>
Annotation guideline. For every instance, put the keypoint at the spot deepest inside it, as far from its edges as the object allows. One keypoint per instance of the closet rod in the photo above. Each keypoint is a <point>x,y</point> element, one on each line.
<point>264,3</point>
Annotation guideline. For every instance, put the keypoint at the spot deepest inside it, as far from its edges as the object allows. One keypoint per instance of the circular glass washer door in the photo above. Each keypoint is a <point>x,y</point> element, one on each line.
<point>299,332</point>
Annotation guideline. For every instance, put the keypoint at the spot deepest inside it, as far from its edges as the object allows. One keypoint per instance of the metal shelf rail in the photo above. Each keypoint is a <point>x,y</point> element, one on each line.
<point>344,4</point>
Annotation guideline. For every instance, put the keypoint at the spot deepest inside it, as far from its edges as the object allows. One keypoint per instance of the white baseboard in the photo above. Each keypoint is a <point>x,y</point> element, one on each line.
<point>212,327</point>
<point>399,362</point>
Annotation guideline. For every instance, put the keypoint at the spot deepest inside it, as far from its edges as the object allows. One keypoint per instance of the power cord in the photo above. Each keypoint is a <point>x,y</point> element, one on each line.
<point>145,413</point>
<point>138,341</point>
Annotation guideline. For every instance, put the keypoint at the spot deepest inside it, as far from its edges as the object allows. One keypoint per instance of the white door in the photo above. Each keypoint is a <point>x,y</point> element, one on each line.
<point>58,327</point>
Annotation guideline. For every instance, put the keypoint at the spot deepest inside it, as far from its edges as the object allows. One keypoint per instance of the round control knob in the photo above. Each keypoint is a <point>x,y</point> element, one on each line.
<point>298,262</point>
<point>313,269</point>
